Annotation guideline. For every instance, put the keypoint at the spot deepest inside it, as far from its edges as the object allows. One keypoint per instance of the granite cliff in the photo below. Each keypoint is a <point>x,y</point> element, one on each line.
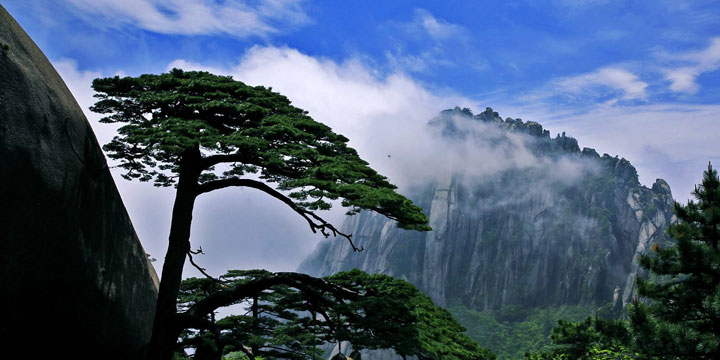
<point>73,276</point>
<point>562,227</point>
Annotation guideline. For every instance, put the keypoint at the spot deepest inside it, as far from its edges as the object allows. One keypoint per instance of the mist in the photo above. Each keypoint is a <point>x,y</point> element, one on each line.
<point>388,119</point>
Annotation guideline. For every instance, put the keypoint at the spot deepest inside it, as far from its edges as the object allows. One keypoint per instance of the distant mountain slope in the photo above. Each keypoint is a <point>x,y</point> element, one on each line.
<point>537,222</point>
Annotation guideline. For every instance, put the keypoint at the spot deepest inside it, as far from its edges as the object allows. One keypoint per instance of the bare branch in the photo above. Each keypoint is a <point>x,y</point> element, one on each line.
<point>316,222</point>
<point>201,269</point>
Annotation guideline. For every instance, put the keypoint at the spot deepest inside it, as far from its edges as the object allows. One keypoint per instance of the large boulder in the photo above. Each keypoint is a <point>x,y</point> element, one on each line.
<point>74,278</point>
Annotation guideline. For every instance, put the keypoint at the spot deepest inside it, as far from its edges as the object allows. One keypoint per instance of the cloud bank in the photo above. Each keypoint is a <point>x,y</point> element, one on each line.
<point>669,141</point>
<point>242,228</point>
<point>381,115</point>
<point>385,117</point>
<point>236,18</point>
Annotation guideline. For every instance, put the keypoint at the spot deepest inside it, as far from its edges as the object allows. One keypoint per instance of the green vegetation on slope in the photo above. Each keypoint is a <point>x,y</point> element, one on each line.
<point>677,313</point>
<point>512,331</point>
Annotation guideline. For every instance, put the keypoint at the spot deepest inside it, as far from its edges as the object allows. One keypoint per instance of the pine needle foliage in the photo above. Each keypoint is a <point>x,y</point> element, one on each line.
<point>249,129</point>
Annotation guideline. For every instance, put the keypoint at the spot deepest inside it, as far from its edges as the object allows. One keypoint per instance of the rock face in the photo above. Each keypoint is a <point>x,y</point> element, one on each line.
<point>565,228</point>
<point>74,278</point>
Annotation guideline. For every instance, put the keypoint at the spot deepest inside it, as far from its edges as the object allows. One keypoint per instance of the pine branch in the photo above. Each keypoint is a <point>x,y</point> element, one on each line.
<point>312,287</point>
<point>213,160</point>
<point>315,222</point>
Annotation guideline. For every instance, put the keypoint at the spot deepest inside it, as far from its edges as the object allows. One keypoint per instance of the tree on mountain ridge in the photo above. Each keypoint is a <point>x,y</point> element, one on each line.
<point>677,313</point>
<point>682,317</point>
<point>179,126</point>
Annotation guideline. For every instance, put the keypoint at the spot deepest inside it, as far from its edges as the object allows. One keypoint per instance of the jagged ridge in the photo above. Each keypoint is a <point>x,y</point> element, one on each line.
<point>507,240</point>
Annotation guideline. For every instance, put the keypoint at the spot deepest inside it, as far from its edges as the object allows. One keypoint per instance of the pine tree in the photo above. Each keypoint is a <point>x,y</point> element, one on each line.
<point>682,316</point>
<point>178,127</point>
<point>677,312</point>
<point>289,315</point>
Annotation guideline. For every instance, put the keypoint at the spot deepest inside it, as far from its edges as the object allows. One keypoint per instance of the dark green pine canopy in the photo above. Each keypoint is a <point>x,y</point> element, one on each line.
<point>251,130</point>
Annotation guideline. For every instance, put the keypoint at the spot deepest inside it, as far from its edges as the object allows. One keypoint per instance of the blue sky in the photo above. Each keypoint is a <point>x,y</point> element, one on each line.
<point>480,49</point>
<point>639,79</point>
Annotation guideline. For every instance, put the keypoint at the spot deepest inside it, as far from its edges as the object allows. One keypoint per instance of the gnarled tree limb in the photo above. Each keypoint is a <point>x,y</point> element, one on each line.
<point>310,286</point>
<point>316,222</point>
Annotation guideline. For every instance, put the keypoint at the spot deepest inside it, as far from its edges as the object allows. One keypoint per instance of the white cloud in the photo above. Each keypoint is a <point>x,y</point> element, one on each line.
<point>424,61</point>
<point>386,115</point>
<point>438,29</point>
<point>669,141</point>
<point>79,82</point>
<point>191,17</point>
<point>617,79</point>
<point>426,43</point>
<point>386,119</point>
<point>272,237</point>
<point>380,115</point>
<point>408,63</point>
<point>683,78</point>
<point>242,228</point>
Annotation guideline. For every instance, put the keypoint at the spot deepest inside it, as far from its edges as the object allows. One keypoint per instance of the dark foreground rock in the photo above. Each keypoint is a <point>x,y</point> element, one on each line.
<point>74,279</point>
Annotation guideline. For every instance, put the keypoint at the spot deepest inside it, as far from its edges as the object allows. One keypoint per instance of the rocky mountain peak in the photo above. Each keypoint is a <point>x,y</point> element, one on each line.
<point>564,227</point>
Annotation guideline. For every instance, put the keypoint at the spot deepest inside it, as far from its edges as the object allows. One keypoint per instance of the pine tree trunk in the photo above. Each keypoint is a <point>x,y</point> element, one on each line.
<point>165,331</point>
<point>255,316</point>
